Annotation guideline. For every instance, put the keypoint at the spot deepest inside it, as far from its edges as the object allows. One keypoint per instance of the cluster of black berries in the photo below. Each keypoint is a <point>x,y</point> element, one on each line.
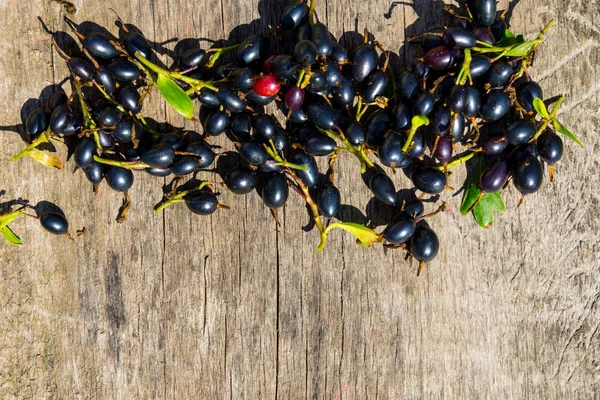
<point>470,88</point>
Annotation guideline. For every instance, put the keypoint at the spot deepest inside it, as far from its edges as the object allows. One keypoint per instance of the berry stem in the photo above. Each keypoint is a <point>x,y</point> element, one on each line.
<point>218,53</point>
<point>43,138</point>
<point>458,161</point>
<point>359,153</point>
<point>123,164</point>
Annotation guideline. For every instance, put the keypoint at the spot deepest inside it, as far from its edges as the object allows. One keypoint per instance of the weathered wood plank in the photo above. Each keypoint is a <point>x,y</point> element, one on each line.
<point>177,306</point>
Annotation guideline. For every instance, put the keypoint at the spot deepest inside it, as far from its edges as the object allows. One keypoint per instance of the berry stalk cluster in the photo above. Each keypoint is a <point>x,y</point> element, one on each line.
<point>470,90</point>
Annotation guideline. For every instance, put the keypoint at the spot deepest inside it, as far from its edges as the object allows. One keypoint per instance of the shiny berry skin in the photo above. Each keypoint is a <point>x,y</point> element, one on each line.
<point>528,175</point>
<point>265,128</point>
<point>242,79</point>
<point>240,180</point>
<point>421,69</point>
<point>338,53</point>
<point>440,58</point>
<point>429,180</point>
<point>494,177</point>
<point>129,99</point>
<point>408,86</point>
<point>294,98</point>
<point>431,42</point>
<point>441,120</point>
<point>414,208</point>
<point>74,125</point>
<point>521,131</point>
<point>527,93</point>
<point>400,230</point>
<point>480,65</point>
<point>333,74</point>
<point>459,38</point>
<point>376,84</point>
<point>184,165</point>
<point>377,127</point>
<point>499,74</point>
<point>424,244</point>
<point>256,99</point>
<point>251,49</point>
<point>319,145</point>
<point>158,171</point>
<point>83,69</point>
<point>355,133</point>
<point>364,61</point>
<point>173,139</point>
<point>159,156</point>
<point>417,147</point>
<point>318,82</point>
<point>202,203</point>
<point>424,105</point>
<point>119,179</point>
<point>293,14</point>
<point>457,98</point>
<point>305,52</point>
<point>57,99</point>
<point>284,67</point>
<point>54,223</point>
<point>136,42</point>
<point>106,140</point>
<point>95,172</point>
<point>106,79</point>
<point>495,105</point>
<point>494,145</point>
<point>457,127</point>
<point>443,151</point>
<point>343,95</point>
<point>280,140</point>
<point>124,130</point>
<point>275,191</point>
<point>109,116</point>
<point>216,123</point>
<point>329,201</point>
<point>208,98</point>
<point>253,153</point>
<point>84,153</point>
<point>203,153</point>
<point>550,147</point>
<point>192,58</point>
<point>124,70</point>
<point>383,188</point>
<point>99,45</point>
<point>498,28</point>
<point>230,100</point>
<point>483,34</point>
<point>266,85</point>
<point>310,176</point>
<point>390,151</point>
<point>60,118</point>
<point>322,115</point>
<point>473,102</point>
<point>484,11</point>
<point>322,39</point>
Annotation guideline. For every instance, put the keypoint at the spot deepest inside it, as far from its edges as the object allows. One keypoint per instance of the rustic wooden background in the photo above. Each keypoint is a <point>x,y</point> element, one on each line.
<point>179,306</point>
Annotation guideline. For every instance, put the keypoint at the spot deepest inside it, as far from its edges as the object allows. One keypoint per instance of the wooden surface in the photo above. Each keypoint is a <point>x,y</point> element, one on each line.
<point>179,306</point>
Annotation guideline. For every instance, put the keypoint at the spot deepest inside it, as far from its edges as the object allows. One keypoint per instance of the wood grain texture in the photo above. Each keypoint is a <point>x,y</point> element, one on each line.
<point>177,306</point>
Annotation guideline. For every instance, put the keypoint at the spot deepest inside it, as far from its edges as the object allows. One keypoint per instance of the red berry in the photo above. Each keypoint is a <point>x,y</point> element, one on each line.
<point>266,85</point>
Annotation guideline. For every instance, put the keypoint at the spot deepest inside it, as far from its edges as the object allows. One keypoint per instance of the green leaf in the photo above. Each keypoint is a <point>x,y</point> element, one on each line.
<point>559,127</point>
<point>10,235</point>
<point>470,197</point>
<point>484,210</point>
<point>419,120</point>
<point>366,236</point>
<point>508,34</point>
<point>175,96</point>
<point>540,108</point>
<point>45,158</point>
<point>522,49</point>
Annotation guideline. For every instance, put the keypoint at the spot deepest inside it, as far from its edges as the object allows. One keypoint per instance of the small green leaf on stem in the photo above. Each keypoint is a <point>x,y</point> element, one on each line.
<point>10,235</point>
<point>45,158</point>
<point>365,236</point>
<point>470,197</point>
<point>522,49</point>
<point>175,96</point>
<point>540,108</point>
<point>559,127</point>
<point>484,209</point>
